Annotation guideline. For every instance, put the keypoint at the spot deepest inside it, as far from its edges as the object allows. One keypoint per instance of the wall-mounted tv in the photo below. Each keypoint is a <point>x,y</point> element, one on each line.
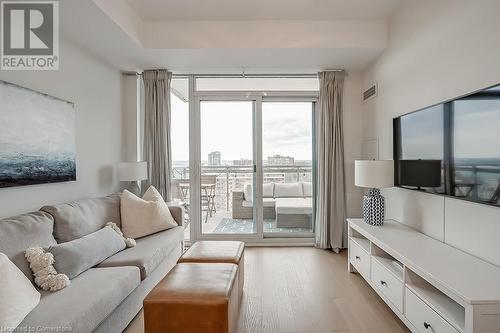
<point>452,148</point>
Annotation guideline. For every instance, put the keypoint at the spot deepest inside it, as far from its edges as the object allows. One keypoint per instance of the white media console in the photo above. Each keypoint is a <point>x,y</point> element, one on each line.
<point>431,286</point>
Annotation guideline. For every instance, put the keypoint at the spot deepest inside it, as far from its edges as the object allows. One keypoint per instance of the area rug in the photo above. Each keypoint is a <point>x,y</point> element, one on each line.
<point>247,226</point>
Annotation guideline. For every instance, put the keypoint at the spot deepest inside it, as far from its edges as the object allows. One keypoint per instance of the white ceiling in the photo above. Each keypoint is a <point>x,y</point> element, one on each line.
<point>175,10</point>
<point>354,35</point>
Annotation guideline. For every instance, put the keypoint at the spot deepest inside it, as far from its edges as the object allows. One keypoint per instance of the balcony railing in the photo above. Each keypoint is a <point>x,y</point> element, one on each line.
<point>478,182</point>
<point>233,178</point>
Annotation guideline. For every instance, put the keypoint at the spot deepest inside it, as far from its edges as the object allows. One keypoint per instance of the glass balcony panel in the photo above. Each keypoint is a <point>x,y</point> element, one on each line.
<point>180,147</point>
<point>287,165</point>
<point>227,167</point>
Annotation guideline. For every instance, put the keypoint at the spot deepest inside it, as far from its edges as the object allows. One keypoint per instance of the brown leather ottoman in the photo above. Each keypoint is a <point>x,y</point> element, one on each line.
<point>219,252</point>
<point>194,298</point>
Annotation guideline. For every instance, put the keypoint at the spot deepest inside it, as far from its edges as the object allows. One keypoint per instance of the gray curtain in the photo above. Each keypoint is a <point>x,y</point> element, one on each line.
<point>330,190</point>
<point>156,146</point>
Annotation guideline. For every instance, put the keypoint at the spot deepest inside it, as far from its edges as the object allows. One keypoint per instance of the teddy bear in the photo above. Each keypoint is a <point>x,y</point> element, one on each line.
<point>46,277</point>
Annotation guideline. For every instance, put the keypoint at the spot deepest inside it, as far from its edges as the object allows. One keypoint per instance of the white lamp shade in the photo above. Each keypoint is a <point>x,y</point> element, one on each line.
<point>373,173</point>
<point>132,171</point>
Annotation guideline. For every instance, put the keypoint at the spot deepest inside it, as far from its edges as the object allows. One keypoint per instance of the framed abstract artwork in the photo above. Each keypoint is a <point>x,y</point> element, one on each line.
<point>37,137</point>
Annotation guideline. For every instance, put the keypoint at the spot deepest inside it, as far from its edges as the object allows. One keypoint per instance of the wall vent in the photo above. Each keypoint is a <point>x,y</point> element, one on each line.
<point>370,93</point>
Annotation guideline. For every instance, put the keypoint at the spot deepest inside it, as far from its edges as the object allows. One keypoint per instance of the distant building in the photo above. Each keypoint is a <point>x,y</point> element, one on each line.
<point>242,161</point>
<point>214,158</point>
<point>280,160</point>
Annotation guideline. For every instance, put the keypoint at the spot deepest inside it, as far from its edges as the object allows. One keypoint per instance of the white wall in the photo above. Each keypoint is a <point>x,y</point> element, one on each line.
<point>437,50</point>
<point>352,139</point>
<point>131,118</point>
<point>94,87</point>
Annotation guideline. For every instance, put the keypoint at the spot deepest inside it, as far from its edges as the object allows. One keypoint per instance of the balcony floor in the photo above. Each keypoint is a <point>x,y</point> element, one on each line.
<point>222,223</point>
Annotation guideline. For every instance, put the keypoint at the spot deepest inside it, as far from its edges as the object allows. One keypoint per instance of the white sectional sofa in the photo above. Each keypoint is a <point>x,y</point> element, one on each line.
<point>106,297</point>
<point>289,203</point>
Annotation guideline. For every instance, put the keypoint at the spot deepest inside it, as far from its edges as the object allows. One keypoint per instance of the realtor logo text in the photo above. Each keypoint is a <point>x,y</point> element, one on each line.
<point>30,35</point>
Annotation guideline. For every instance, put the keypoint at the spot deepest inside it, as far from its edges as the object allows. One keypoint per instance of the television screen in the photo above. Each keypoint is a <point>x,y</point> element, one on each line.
<point>452,148</point>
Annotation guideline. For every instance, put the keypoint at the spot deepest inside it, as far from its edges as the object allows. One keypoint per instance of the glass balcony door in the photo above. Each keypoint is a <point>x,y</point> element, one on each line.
<point>227,172</point>
<point>287,166</point>
<point>251,166</point>
<point>180,103</point>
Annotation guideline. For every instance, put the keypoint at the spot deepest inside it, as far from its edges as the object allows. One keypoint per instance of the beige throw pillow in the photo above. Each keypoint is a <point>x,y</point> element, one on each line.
<point>146,216</point>
<point>17,295</point>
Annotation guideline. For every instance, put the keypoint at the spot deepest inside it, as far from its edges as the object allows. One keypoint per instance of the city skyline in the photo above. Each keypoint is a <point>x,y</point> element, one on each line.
<point>244,161</point>
<point>286,129</point>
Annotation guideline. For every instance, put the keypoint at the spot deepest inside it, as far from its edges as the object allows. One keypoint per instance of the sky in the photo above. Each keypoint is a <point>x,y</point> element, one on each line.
<point>179,129</point>
<point>477,128</point>
<point>423,134</point>
<point>227,127</point>
<point>476,131</point>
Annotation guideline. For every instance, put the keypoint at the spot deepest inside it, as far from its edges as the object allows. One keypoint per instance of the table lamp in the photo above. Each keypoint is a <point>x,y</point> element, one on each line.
<point>374,175</point>
<point>133,172</point>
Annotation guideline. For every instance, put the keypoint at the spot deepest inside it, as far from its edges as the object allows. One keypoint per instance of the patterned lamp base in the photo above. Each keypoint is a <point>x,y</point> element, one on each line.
<point>373,207</point>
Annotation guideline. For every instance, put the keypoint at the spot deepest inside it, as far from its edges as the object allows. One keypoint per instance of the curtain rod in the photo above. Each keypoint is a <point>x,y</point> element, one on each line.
<point>242,75</point>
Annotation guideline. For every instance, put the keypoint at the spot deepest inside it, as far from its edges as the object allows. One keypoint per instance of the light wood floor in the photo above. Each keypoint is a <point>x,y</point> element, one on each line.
<point>305,290</point>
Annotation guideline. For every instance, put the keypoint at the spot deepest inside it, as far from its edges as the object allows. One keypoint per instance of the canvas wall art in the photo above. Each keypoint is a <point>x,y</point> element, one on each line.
<point>37,137</point>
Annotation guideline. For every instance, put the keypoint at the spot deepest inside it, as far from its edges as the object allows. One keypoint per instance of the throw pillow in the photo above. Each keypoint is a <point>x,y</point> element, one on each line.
<point>18,296</point>
<point>46,276</point>
<point>75,257</point>
<point>145,216</point>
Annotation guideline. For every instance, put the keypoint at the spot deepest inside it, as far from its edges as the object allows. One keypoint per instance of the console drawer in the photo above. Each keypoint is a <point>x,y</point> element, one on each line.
<point>359,258</point>
<point>387,284</point>
<point>423,317</point>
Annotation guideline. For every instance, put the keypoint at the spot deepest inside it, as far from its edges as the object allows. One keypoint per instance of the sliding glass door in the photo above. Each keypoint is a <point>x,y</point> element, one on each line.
<point>287,151</point>
<point>255,168</point>
<point>227,167</point>
<point>251,160</point>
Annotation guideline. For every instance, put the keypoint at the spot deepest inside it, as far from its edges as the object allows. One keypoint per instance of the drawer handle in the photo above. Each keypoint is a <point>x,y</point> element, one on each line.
<point>383,283</point>
<point>358,258</point>
<point>426,325</point>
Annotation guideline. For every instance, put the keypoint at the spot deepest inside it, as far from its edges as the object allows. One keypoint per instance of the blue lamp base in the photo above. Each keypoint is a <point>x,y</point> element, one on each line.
<point>373,207</point>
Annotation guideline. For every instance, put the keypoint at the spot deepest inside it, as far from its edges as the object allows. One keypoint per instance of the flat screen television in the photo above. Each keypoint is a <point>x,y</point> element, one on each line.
<point>452,148</point>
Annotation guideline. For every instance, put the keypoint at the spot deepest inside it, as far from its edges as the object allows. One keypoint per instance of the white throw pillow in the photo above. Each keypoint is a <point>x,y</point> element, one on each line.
<point>146,216</point>
<point>248,192</point>
<point>267,191</point>
<point>17,295</point>
<point>288,190</point>
<point>307,188</point>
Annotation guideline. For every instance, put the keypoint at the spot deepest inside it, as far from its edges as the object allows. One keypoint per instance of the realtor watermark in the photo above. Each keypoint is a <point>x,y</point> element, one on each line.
<point>29,35</point>
<point>45,329</point>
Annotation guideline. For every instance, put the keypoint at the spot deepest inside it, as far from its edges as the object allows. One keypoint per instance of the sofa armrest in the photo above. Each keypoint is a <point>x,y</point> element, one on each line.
<point>177,212</point>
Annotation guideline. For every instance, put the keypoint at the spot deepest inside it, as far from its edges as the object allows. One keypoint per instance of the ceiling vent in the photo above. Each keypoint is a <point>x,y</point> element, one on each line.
<point>370,93</point>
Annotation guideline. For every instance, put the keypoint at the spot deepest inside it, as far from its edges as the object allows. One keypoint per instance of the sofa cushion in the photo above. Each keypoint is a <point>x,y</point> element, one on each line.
<point>21,232</point>
<point>307,189</point>
<point>149,251</point>
<point>76,219</point>
<point>86,302</point>
<point>267,191</point>
<point>267,202</point>
<point>289,190</point>
<point>293,206</point>
<point>75,257</point>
